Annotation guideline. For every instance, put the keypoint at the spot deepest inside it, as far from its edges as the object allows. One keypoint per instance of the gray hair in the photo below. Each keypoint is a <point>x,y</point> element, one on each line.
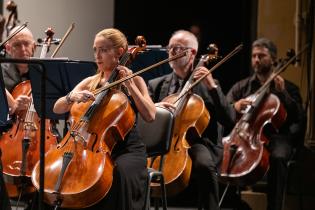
<point>267,43</point>
<point>193,41</point>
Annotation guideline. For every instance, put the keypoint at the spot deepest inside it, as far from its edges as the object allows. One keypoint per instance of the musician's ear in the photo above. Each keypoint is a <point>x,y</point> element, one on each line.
<point>8,48</point>
<point>120,52</point>
<point>33,49</point>
<point>193,51</point>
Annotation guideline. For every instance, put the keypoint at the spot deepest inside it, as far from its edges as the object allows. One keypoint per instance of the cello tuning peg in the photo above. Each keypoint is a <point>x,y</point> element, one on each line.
<point>11,6</point>
<point>212,48</point>
<point>141,41</point>
<point>41,41</point>
<point>213,52</point>
<point>49,32</point>
<point>290,53</point>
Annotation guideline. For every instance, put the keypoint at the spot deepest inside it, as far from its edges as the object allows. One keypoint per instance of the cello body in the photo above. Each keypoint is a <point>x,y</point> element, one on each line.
<point>80,169</point>
<point>191,116</point>
<point>24,135</point>
<point>245,157</point>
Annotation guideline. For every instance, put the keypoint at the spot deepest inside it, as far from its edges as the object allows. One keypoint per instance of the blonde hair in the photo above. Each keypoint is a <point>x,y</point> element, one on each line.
<point>118,39</point>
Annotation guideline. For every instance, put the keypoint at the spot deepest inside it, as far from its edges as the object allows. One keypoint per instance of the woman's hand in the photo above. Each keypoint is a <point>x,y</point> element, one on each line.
<point>81,96</point>
<point>124,72</point>
<point>166,105</point>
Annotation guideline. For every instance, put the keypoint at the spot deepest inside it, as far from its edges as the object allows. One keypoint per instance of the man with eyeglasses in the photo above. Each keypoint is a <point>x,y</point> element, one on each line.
<point>21,46</point>
<point>205,151</point>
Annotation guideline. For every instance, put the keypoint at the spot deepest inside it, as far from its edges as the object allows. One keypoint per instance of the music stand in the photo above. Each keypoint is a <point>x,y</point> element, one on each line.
<point>62,75</point>
<point>40,69</point>
<point>152,56</point>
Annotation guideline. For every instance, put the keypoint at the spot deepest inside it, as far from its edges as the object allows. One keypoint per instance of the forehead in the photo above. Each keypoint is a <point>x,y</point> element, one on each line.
<point>23,35</point>
<point>260,50</point>
<point>101,41</point>
<point>179,39</point>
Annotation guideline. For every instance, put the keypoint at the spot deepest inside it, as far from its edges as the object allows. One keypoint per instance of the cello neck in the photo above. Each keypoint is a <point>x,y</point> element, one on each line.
<point>192,85</point>
<point>279,70</point>
<point>202,61</point>
<point>45,47</point>
<point>44,51</point>
<point>125,58</point>
<point>113,77</point>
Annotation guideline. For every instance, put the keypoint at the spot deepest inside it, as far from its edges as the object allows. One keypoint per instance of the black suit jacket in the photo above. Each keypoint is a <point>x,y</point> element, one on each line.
<point>11,76</point>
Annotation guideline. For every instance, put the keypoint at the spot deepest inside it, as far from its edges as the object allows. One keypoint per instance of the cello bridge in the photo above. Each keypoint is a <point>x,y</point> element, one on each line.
<point>30,126</point>
<point>78,137</point>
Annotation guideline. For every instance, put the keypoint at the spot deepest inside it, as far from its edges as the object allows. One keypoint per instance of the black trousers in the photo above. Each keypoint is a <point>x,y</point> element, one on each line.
<point>281,150</point>
<point>204,175</point>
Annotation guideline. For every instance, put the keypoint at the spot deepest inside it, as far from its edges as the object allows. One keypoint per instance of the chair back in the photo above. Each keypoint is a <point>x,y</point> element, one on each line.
<point>156,135</point>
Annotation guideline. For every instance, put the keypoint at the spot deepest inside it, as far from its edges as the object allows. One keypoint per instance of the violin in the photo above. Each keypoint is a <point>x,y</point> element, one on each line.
<point>190,114</point>
<point>80,168</point>
<point>21,144</point>
<point>245,157</point>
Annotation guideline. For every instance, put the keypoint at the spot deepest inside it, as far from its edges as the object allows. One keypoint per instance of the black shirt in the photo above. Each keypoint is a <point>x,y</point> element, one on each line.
<point>291,99</point>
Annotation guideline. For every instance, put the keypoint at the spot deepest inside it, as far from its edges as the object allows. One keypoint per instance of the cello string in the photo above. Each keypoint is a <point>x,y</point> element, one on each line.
<point>206,58</point>
<point>281,69</point>
<point>84,119</point>
<point>264,88</point>
<point>28,116</point>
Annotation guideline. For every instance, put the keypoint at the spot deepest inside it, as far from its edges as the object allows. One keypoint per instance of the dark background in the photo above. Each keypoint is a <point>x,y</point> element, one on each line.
<point>225,23</point>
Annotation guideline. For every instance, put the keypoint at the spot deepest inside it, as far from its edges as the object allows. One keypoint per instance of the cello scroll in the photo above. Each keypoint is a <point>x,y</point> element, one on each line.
<point>46,42</point>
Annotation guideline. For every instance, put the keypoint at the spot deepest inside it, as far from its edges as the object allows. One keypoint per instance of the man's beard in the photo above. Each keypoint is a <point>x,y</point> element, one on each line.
<point>262,69</point>
<point>180,63</point>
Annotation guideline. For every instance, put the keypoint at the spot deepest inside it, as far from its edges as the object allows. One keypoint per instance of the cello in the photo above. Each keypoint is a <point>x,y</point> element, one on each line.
<point>80,169</point>
<point>191,115</point>
<point>21,144</point>
<point>245,157</point>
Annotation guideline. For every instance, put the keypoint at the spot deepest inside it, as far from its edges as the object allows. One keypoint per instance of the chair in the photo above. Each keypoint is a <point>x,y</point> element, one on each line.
<point>157,136</point>
<point>300,182</point>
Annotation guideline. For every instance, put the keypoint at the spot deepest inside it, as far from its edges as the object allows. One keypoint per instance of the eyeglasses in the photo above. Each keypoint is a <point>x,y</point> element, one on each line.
<point>177,49</point>
<point>19,44</point>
